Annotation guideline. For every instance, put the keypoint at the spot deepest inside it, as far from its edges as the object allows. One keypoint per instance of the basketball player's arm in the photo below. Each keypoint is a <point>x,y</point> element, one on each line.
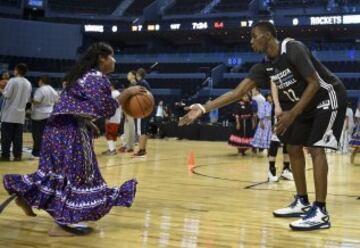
<point>302,63</point>
<point>275,96</point>
<point>196,110</point>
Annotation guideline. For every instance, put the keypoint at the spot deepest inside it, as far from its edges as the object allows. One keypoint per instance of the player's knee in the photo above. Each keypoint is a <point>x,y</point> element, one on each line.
<point>316,151</point>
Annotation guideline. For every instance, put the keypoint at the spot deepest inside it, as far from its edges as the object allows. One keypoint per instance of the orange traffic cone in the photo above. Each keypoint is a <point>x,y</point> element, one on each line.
<point>191,162</point>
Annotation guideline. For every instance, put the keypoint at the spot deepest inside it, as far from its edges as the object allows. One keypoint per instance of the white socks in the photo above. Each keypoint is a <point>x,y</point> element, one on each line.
<point>111,145</point>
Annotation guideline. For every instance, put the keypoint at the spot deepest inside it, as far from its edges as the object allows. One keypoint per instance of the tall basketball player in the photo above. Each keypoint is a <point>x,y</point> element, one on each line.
<point>314,104</point>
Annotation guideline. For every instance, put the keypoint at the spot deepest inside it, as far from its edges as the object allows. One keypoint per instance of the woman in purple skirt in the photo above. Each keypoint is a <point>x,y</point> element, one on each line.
<point>68,183</point>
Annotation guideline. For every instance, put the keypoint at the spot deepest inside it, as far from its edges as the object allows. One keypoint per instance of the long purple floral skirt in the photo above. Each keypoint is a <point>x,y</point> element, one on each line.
<point>68,184</point>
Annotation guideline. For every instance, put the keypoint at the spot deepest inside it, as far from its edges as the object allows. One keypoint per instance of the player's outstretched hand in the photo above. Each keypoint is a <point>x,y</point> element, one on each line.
<point>195,112</point>
<point>285,119</point>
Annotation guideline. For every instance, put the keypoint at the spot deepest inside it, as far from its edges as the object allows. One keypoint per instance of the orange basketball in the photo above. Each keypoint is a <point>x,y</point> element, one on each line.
<point>139,106</point>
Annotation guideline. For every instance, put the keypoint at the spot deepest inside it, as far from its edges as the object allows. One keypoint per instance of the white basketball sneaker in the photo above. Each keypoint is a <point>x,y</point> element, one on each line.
<point>287,175</point>
<point>314,219</point>
<point>295,209</point>
<point>272,178</point>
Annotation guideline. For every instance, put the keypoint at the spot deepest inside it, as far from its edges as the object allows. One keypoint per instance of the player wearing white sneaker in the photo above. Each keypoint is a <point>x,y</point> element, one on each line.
<point>297,208</point>
<point>313,99</point>
<point>315,218</point>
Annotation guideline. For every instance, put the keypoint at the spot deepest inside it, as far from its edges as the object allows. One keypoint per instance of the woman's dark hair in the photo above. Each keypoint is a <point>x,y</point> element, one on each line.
<point>141,72</point>
<point>44,79</point>
<point>22,69</point>
<point>89,60</point>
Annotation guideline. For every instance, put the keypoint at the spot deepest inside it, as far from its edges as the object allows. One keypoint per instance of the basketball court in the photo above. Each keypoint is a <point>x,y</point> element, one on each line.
<point>225,202</point>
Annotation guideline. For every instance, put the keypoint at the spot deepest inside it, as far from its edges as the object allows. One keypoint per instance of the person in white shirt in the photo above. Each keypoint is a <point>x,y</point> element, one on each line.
<point>160,112</point>
<point>260,101</point>
<point>112,126</point>
<point>347,130</point>
<point>357,113</point>
<point>42,106</point>
<point>258,97</point>
<point>128,136</point>
<point>355,139</point>
<point>16,94</point>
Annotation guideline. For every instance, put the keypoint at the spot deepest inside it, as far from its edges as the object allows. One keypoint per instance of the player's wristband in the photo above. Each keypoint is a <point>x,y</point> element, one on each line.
<point>203,110</point>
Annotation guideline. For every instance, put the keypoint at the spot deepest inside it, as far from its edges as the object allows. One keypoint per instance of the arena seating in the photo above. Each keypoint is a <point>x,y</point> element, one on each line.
<point>84,6</point>
<point>188,7</point>
<point>39,64</point>
<point>10,3</point>
<point>232,6</point>
<point>137,7</point>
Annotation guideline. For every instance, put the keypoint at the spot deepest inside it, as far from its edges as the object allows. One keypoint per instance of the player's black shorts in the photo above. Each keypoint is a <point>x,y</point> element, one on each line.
<point>143,126</point>
<point>319,128</point>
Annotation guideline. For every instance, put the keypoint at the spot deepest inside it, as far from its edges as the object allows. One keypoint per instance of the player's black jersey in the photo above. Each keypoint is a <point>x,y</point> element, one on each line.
<point>289,72</point>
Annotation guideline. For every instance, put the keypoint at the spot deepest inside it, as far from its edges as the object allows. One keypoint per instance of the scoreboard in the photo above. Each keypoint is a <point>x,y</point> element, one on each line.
<point>218,24</point>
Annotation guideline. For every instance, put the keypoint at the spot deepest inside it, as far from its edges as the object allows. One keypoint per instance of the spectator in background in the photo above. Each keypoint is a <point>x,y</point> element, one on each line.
<point>128,137</point>
<point>16,94</point>
<point>357,113</point>
<point>142,124</point>
<point>159,116</point>
<point>347,130</point>
<point>112,125</point>
<point>262,137</point>
<point>160,112</point>
<point>242,134</point>
<point>213,115</point>
<point>355,139</point>
<point>4,79</point>
<point>42,106</point>
<point>259,99</point>
<point>179,109</point>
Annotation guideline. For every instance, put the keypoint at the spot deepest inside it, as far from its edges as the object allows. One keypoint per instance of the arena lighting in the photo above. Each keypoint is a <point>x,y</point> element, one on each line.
<point>199,25</point>
<point>94,28</point>
<point>245,24</point>
<point>136,28</point>
<point>295,21</point>
<point>114,28</point>
<point>152,27</point>
<point>325,20</point>
<point>175,26</point>
<point>219,25</point>
<point>351,19</point>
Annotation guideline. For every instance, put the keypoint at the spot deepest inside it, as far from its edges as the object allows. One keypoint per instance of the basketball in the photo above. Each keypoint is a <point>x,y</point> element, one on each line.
<point>140,105</point>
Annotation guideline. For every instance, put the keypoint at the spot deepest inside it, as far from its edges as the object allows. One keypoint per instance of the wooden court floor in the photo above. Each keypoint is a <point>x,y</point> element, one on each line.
<point>226,203</point>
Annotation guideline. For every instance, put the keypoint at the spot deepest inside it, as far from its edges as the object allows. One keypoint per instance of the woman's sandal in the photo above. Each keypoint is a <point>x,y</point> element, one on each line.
<point>20,202</point>
<point>70,230</point>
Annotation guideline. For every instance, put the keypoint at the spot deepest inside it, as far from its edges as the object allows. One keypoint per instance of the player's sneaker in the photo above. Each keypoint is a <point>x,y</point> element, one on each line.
<point>272,178</point>
<point>314,219</point>
<point>140,154</point>
<point>287,175</point>
<point>295,209</point>
<point>109,153</point>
